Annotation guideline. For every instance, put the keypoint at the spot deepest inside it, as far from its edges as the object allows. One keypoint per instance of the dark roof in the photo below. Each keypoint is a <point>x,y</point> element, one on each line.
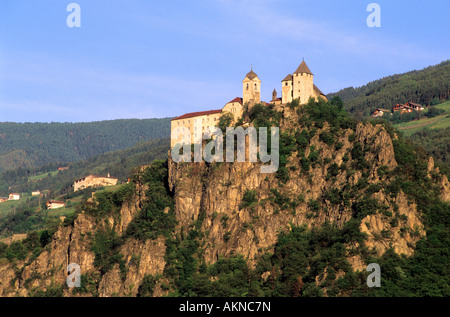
<point>95,176</point>
<point>251,75</point>
<point>288,77</point>
<point>196,114</point>
<point>318,90</point>
<point>414,104</point>
<point>237,99</point>
<point>303,68</point>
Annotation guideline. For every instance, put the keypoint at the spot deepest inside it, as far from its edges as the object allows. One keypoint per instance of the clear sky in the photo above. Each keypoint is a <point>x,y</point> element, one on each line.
<point>154,59</point>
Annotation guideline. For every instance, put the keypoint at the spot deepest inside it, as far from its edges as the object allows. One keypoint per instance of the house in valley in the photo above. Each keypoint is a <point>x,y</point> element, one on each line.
<point>380,112</point>
<point>14,196</point>
<point>54,204</point>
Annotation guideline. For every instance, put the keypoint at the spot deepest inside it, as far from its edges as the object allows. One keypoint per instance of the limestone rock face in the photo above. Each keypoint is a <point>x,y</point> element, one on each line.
<point>381,235</point>
<point>141,259</point>
<point>215,192</point>
<point>72,244</point>
<point>445,189</point>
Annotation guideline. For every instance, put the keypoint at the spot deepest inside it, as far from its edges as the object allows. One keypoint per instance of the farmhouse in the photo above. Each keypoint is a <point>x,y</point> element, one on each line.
<point>14,196</point>
<point>53,204</point>
<point>406,108</point>
<point>94,181</point>
<point>3,199</point>
<point>414,106</point>
<point>380,112</point>
<point>35,193</point>
<point>298,85</point>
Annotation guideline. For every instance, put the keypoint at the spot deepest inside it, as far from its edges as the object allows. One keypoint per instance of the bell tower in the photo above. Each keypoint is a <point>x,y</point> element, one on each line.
<point>251,89</point>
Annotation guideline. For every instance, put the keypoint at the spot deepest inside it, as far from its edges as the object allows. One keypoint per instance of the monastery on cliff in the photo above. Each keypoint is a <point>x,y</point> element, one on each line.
<point>299,85</point>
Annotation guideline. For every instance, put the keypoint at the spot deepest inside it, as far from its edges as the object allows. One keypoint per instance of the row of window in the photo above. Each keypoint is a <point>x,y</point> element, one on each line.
<point>203,121</point>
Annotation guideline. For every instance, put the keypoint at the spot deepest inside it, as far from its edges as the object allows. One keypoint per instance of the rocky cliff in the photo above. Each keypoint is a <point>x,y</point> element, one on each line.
<point>332,173</point>
<point>73,244</point>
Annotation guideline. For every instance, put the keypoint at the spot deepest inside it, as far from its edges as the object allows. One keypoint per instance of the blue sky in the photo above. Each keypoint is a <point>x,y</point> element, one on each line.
<point>154,59</point>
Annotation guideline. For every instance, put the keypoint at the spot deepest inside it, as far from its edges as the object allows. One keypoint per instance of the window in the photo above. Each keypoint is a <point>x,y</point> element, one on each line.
<point>247,86</point>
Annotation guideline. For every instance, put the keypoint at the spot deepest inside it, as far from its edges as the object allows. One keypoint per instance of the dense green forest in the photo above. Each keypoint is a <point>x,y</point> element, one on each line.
<point>36,144</point>
<point>436,142</point>
<point>117,163</point>
<point>426,87</point>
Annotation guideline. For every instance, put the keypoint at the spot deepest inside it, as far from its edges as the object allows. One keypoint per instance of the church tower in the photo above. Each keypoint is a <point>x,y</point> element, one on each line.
<point>302,82</point>
<point>251,89</point>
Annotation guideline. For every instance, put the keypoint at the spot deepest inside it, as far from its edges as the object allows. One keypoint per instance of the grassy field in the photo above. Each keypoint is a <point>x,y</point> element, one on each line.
<point>10,205</point>
<point>438,122</point>
<point>109,188</point>
<point>43,175</point>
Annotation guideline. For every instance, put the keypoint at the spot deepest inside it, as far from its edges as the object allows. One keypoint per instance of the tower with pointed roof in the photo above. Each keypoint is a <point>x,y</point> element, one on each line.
<point>251,89</point>
<point>300,85</point>
<point>303,86</point>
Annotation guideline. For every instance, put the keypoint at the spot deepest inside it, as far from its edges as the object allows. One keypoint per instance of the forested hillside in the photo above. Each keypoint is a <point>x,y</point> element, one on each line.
<point>427,86</point>
<point>21,217</point>
<point>117,163</point>
<point>35,144</point>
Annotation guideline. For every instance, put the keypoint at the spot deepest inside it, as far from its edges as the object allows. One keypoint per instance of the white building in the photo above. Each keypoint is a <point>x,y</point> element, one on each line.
<point>52,204</point>
<point>14,196</point>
